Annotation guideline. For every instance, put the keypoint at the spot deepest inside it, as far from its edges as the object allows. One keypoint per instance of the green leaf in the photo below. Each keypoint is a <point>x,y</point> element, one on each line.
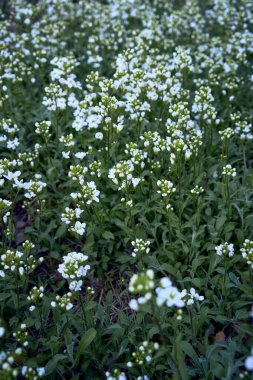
<point>189,350</point>
<point>220,223</point>
<point>61,231</point>
<point>86,340</point>
<point>90,305</point>
<point>4,296</point>
<point>107,235</point>
<point>53,363</point>
<point>68,337</point>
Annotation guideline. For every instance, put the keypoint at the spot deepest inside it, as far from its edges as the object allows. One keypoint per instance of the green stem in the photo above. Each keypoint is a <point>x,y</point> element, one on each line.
<point>17,290</point>
<point>3,237</point>
<point>108,144</point>
<point>48,154</point>
<point>164,341</point>
<point>82,307</point>
<point>12,219</point>
<point>96,215</point>
<point>224,289</point>
<point>229,210</point>
<point>251,278</point>
<point>191,320</point>
<point>244,156</point>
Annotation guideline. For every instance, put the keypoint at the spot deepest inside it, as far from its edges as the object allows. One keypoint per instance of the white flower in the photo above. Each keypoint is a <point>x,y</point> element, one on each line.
<point>229,171</point>
<point>12,144</point>
<point>73,269</point>
<point>69,306</point>
<point>66,154</point>
<point>99,136</point>
<point>76,285</point>
<point>79,228</point>
<point>2,274</point>
<point>169,294</point>
<point>2,331</point>
<point>12,176</point>
<point>191,297</point>
<point>135,181</point>
<point>80,155</point>
<point>225,250</point>
<point>41,371</point>
<point>249,362</point>
<point>165,282</point>
<point>133,304</point>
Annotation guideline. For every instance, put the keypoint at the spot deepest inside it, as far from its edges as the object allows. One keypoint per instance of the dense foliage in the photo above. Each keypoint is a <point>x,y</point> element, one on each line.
<point>126,189</point>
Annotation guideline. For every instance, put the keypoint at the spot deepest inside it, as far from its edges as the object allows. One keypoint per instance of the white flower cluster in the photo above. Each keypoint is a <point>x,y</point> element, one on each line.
<point>226,134</point>
<point>165,294</point>
<point>197,190</point>
<point>152,140</point>
<point>122,175</point>
<point>9,130</point>
<point>19,262</point>
<point>73,269</point>
<point>116,374</point>
<point>63,302</point>
<point>95,168</point>
<point>77,172</point>
<point>33,373</point>
<point>225,249</point>
<point>88,194</point>
<point>141,284</point>
<point>138,156</point>
<point>166,188</point>
<point>68,140</point>
<point>140,246</point>
<point>8,363</point>
<point>4,205</point>
<point>12,260</point>
<point>55,98</point>
<point>63,71</point>
<point>70,217</point>
<point>61,93</point>
<point>228,171</point>
<point>21,335</point>
<point>191,297</point>
<point>144,353</point>
<point>243,128</point>
<point>35,295</point>
<point>32,188</point>
<point>43,128</point>
<point>203,108</point>
<point>91,113</point>
<point>4,209</point>
<point>247,252</point>
<point>169,294</point>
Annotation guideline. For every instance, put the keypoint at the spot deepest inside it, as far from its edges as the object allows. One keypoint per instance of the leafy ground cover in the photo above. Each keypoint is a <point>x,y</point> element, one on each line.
<point>126,188</point>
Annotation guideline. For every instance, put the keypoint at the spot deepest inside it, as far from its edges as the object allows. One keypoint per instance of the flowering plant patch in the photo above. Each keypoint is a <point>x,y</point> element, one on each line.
<point>126,239</point>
